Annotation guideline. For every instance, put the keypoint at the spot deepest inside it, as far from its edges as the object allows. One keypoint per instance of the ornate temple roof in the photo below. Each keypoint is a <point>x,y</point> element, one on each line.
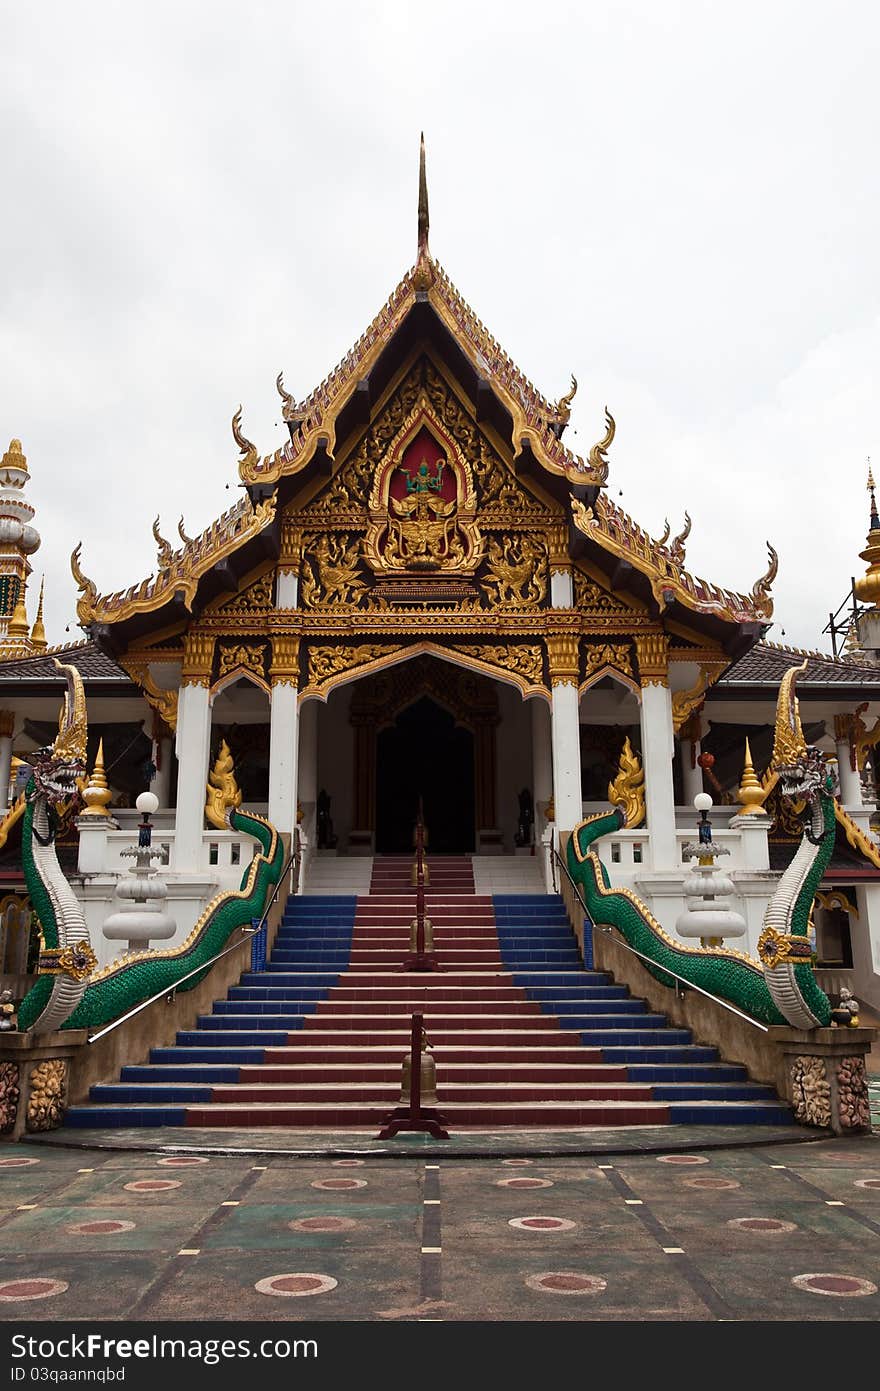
<point>425,304</point>
<point>93,665</point>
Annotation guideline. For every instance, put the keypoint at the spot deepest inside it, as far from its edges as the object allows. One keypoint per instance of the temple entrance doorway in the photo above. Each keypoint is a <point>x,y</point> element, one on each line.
<point>425,753</point>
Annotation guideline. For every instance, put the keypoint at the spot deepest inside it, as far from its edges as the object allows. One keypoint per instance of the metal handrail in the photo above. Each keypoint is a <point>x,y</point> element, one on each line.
<point>250,932</point>
<point>621,941</point>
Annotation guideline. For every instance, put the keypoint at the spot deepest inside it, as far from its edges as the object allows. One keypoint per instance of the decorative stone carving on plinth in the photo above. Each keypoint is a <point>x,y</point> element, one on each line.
<point>143,919</point>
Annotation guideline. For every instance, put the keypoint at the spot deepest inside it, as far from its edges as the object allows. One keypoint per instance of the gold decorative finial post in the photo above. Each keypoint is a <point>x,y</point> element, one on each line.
<point>38,632</point>
<point>750,792</point>
<point>875,519</point>
<point>96,793</point>
<point>19,628</point>
<point>867,589</point>
<point>423,203</point>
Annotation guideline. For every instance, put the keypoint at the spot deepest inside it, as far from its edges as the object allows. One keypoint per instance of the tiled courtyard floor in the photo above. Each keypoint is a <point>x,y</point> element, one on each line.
<point>768,1232</point>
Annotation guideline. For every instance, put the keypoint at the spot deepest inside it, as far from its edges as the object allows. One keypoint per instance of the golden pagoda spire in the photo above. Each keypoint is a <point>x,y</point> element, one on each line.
<point>96,793</point>
<point>423,203</point>
<point>750,792</point>
<point>868,587</point>
<point>19,628</point>
<point>38,632</point>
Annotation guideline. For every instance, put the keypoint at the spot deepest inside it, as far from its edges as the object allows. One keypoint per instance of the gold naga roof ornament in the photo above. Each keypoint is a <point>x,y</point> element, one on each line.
<point>248,450</point>
<point>166,554</point>
<point>676,550</point>
<point>666,531</point>
<point>562,409</point>
<point>761,588</point>
<point>598,456</point>
<point>789,744</point>
<point>88,590</point>
<point>289,410</point>
<point>187,540</point>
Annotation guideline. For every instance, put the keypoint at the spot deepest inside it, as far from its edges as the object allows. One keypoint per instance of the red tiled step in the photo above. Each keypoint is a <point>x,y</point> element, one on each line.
<point>490,1114</point>
<point>439,1025</point>
<point>389,1009</point>
<point>447,1072</point>
<point>307,1051</point>
<point>387,1093</point>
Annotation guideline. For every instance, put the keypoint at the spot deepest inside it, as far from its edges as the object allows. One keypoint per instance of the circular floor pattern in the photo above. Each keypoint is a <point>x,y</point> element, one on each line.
<point>296,1285</point>
<point>151,1185</point>
<point>347,1163</point>
<point>867,1183</point>
<point>774,1226</point>
<point>100,1227</point>
<point>566,1282</point>
<point>322,1224</point>
<point>515,1163</point>
<point>542,1224</point>
<point>838,1286</point>
<point>14,1291</point>
<point>339,1184</point>
<point>182,1161</point>
<point>523,1183</point>
<point>712,1183</point>
<point>17,1163</point>
<point>682,1159</point>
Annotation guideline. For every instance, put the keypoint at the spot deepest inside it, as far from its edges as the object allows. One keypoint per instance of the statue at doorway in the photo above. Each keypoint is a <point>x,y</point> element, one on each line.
<point>325,834</point>
<point>526,818</point>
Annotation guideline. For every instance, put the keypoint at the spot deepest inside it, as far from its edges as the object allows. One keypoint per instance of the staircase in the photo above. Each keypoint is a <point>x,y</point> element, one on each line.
<point>522,1034</point>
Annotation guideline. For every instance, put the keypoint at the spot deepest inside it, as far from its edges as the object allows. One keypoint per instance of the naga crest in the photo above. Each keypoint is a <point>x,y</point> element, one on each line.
<point>802,768</point>
<point>57,767</point>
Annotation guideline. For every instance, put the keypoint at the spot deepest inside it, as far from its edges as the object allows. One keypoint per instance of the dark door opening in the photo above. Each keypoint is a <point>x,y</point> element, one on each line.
<point>424,753</point>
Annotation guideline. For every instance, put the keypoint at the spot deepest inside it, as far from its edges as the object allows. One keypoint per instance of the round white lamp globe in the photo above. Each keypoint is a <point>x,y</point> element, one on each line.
<point>148,802</point>
<point>702,801</point>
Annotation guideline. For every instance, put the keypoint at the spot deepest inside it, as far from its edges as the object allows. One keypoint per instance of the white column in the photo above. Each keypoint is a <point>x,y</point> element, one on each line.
<point>192,744</point>
<point>286,589</point>
<point>657,752</point>
<point>561,589</point>
<point>691,777</point>
<point>850,782</point>
<point>283,751</point>
<point>5,758</point>
<point>542,760</point>
<point>160,783</point>
<point>565,731</point>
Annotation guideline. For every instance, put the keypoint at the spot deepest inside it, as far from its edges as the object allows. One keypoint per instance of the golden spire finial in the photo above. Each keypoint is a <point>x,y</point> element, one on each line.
<point>789,744</point>
<point>38,632</point>
<point>868,587</point>
<point>96,793</point>
<point>14,458</point>
<point>875,519</point>
<point>750,792</point>
<point>423,202</point>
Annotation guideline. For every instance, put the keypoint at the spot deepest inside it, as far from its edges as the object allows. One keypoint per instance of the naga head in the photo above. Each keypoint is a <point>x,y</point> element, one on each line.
<point>58,766</point>
<point>804,773</point>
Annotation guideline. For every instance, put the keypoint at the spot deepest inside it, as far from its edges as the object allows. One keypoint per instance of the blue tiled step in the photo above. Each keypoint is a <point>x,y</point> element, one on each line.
<point>210,1022</point>
<point>259,1007</point>
<point>634,1038</point>
<point>730,1113</point>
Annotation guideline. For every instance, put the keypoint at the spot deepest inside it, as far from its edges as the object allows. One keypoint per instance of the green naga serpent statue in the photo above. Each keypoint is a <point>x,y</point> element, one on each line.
<point>781,987</point>
<point>69,993</point>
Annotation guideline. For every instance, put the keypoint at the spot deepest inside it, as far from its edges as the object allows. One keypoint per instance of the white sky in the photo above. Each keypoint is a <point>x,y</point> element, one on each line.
<point>678,202</point>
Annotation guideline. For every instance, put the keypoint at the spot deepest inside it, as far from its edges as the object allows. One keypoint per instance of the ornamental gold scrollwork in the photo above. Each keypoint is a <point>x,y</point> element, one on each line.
<point>330,572</point>
<point>627,791</point>
<point>615,655</point>
<point>516,576</point>
<point>257,598</point>
<point>522,659</point>
<point>687,703</point>
<point>244,656</point>
<point>327,662</point>
<point>162,701</point>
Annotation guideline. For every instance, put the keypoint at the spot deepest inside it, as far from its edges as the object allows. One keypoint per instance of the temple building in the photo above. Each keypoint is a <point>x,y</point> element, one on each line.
<point>426,597</point>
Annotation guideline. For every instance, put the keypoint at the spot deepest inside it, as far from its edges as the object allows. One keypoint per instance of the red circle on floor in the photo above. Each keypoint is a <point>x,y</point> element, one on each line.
<point>182,1160</point>
<point>516,1161</point>
<point>152,1185</point>
<point>339,1184</point>
<point>761,1224</point>
<point>840,1285</point>
<point>524,1183</point>
<point>867,1183</point>
<point>542,1224</point>
<point>322,1224</point>
<point>566,1282</point>
<point>347,1163</point>
<point>100,1227</point>
<point>17,1163</point>
<point>296,1284</point>
<point>14,1290</point>
<point>681,1159</point>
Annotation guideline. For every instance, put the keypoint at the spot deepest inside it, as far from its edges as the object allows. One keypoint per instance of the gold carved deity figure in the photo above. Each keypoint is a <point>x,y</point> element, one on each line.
<point>422,505</point>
